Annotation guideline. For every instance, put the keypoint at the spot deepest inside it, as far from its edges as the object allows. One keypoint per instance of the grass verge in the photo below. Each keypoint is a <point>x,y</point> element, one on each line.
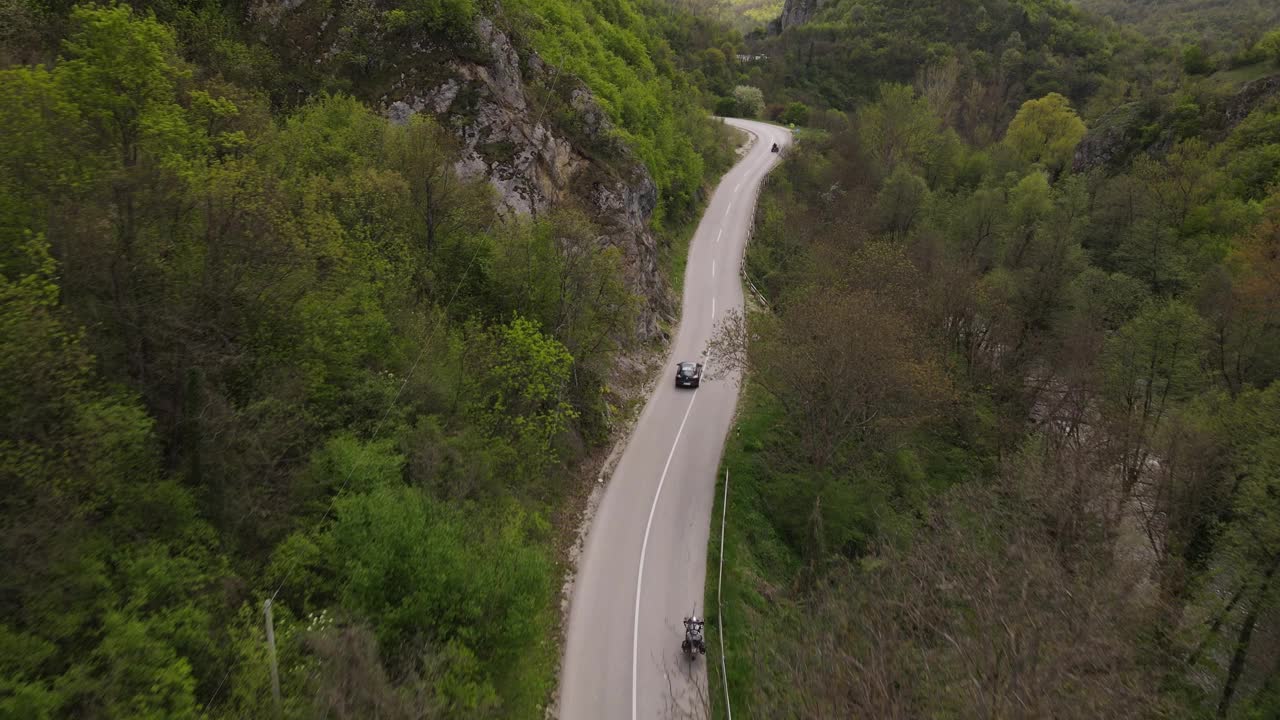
<point>755,557</point>
<point>673,244</point>
<point>673,253</point>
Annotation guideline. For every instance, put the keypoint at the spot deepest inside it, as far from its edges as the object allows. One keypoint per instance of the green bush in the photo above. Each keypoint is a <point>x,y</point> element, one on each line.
<point>796,113</point>
<point>750,101</point>
<point>1195,61</point>
<point>450,18</point>
<point>419,569</point>
<point>1269,46</point>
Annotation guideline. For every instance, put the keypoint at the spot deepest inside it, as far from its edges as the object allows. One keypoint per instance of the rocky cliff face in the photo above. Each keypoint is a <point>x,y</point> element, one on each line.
<point>1121,133</point>
<point>1110,141</point>
<point>795,12</point>
<point>1250,97</point>
<point>538,136</point>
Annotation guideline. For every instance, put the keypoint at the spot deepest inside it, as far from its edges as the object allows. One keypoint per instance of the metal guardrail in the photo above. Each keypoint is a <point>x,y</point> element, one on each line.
<point>741,265</point>
<point>759,296</point>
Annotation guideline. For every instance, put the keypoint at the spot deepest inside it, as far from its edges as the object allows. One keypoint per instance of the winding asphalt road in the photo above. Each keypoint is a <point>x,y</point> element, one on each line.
<point>644,565</point>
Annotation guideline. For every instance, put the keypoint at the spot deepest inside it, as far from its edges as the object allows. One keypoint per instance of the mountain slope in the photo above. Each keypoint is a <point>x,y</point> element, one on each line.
<point>992,55</point>
<point>319,303</point>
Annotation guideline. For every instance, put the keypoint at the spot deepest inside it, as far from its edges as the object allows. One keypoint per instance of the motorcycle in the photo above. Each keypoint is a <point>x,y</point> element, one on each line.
<point>775,147</point>
<point>693,643</point>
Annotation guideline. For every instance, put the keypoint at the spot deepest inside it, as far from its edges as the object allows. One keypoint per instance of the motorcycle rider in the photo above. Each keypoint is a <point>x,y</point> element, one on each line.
<point>775,147</point>
<point>693,635</point>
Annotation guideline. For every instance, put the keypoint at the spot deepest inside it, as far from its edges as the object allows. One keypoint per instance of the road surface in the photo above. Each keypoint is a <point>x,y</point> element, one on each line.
<point>644,565</point>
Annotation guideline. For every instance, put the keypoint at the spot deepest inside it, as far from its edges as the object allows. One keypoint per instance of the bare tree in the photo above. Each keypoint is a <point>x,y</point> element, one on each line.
<point>980,617</point>
<point>937,84</point>
<point>843,363</point>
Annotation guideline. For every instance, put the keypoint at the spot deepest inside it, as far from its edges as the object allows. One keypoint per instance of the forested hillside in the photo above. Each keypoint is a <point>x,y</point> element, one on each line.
<point>743,15</point>
<point>261,341</point>
<point>1009,446</point>
<point>1221,23</point>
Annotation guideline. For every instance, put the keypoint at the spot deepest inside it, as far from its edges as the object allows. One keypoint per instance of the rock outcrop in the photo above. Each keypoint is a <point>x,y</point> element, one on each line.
<point>1110,141</point>
<point>1129,129</point>
<point>536,134</point>
<point>795,12</point>
<point>1250,97</point>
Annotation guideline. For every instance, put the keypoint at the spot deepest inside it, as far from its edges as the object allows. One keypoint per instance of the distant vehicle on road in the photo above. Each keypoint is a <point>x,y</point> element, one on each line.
<point>775,147</point>
<point>688,374</point>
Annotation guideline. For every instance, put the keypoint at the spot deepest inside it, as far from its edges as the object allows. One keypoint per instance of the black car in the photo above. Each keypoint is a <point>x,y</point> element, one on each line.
<point>688,374</point>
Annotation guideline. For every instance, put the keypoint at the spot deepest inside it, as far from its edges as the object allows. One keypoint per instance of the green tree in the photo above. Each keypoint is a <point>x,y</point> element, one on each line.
<point>1269,46</point>
<point>89,514</point>
<point>421,571</point>
<point>901,200</point>
<point>750,101</point>
<point>519,389</point>
<point>446,205</point>
<point>1150,364</point>
<point>1046,131</point>
<point>796,113</point>
<point>898,127</point>
<point>1195,61</point>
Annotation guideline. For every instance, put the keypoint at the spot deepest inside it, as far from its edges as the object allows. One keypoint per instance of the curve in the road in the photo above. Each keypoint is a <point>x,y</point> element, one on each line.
<point>644,564</point>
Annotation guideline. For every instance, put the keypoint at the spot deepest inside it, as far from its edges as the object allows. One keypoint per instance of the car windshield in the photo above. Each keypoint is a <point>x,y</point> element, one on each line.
<point>686,368</point>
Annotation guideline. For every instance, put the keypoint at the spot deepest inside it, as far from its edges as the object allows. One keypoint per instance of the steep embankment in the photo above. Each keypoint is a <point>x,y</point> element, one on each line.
<point>1040,440</point>
<point>315,302</point>
<point>550,113</point>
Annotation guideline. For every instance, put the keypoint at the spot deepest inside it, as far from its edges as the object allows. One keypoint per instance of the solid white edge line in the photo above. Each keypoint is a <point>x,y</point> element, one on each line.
<point>713,268</point>
<point>644,547</point>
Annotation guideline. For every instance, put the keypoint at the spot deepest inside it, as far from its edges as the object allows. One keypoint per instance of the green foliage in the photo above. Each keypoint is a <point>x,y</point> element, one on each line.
<point>749,101</point>
<point>897,128</point>
<point>123,546</point>
<point>901,200</point>
<point>472,584</point>
<point>519,383</point>
<point>1269,46</point>
<point>1104,333</point>
<point>450,18</point>
<point>1218,24</point>
<point>232,338</point>
<point>1001,52</point>
<point>1155,357</point>
<point>624,59</point>
<point>796,113</point>
<point>1195,62</point>
<point>1045,131</point>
